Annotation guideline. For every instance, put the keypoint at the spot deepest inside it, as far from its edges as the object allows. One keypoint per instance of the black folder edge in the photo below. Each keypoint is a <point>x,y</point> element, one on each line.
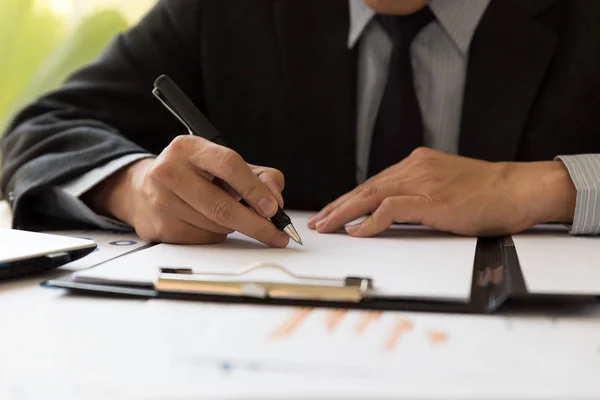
<point>497,280</point>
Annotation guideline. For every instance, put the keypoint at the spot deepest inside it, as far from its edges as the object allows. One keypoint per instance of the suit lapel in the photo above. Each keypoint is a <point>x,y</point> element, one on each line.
<point>320,72</point>
<point>508,58</point>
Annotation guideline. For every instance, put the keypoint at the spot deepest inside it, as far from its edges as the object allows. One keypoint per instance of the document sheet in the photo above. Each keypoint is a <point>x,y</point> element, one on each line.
<point>555,262</point>
<point>407,260</point>
<point>84,348</point>
<point>443,350</point>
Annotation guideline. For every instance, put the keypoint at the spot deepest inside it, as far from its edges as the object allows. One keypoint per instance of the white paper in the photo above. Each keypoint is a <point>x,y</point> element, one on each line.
<point>387,346</point>
<point>425,354</point>
<point>555,262</point>
<point>75,347</point>
<point>410,261</point>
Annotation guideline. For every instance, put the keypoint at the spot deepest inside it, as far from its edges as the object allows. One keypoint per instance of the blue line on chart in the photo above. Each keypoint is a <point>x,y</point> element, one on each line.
<point>230,366</point>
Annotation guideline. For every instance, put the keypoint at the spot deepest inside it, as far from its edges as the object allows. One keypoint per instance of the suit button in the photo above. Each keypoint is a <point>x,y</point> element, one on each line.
<point>11,198</point>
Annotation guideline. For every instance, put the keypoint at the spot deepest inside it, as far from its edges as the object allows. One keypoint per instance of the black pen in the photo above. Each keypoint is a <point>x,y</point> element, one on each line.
<point>173,98</point>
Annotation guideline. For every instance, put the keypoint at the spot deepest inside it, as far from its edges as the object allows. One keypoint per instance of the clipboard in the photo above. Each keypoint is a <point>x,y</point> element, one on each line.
<point>497,284</point>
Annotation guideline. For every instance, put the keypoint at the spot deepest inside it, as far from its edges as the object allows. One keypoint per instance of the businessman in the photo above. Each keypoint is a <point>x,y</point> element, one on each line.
<point>470,116</point>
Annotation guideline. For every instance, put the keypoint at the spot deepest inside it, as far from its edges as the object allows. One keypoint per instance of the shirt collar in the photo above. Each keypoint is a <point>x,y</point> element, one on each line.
<point>458,18</point>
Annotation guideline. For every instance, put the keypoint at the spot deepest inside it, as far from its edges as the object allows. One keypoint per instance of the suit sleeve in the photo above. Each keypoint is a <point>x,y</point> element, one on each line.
<point>102,112</point>
<point>68,196</point>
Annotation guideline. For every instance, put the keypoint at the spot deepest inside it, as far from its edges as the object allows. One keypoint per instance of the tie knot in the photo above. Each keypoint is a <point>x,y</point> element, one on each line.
<point>403,28</point>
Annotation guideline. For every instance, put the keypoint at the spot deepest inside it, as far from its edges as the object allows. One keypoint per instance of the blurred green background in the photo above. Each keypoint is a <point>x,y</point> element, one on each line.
<point>43,41</point>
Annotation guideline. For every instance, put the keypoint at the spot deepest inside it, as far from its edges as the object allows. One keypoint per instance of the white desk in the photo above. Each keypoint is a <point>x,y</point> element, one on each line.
<point>56,345</point>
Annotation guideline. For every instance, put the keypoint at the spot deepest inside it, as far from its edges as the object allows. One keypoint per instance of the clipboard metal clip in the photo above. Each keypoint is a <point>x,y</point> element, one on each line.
<point>263,284</point>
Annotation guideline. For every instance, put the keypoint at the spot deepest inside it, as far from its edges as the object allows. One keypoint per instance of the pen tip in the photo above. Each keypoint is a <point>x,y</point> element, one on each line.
<point>292,233</point>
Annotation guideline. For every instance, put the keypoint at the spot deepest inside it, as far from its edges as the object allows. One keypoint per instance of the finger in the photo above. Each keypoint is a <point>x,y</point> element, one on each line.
<point>218,206</point>
<point>167,205</point>
<point>229,166</point>
<point>269,176</point>
<point>185,212</point>
<point>410,209</point>
<point>324,213</point>
<point>225,186</point>
<point>319,218</point>
<point>176,231</point>
<point>347,212</point>
<point>364,200</point>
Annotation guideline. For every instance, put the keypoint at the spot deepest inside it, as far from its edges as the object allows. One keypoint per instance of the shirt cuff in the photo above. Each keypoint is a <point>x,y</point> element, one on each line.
<point>584,170</point>
<point>68,194</point>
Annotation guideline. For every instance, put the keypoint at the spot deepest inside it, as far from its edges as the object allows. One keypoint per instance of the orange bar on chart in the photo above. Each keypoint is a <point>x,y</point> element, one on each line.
<point>290,324</point>
<point>366,319</point>
<point>402,326</point>
<point>438,337</point>
<point>334,318</point>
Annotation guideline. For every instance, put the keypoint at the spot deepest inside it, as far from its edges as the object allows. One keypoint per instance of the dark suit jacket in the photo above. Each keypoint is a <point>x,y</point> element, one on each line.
<point>276,77</point>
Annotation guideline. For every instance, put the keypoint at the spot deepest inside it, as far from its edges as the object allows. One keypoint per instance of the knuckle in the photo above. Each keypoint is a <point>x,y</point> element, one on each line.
<point>221,211</point>
<point>228,161</point>
<point>420,152</point>
<point>250,191</point>
<point>369,191</point>
<point>387,204</point>
<point>421,158</point>
<point>160,172</point>
<point>180,143</point>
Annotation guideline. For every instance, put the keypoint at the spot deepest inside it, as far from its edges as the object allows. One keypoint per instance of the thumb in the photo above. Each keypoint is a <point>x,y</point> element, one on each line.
<point>411,209</point>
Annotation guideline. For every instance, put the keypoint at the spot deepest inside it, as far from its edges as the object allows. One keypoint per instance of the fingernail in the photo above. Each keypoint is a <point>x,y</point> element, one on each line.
<point>315,218</point>
<point>282,240</point>
<point>352,229</point>
<point>321,222</point>
<point>267,206</point>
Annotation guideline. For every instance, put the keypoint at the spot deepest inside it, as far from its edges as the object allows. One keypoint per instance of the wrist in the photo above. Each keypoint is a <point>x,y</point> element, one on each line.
<point>549,192</point>
<point>115,196</point>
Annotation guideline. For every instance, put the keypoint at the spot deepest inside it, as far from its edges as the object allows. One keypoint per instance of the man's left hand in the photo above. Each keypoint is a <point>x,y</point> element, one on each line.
<point>455,194</point>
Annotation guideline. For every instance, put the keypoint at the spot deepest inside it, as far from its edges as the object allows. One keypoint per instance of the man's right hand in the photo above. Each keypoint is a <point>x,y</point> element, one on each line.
<point>190,194</point>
